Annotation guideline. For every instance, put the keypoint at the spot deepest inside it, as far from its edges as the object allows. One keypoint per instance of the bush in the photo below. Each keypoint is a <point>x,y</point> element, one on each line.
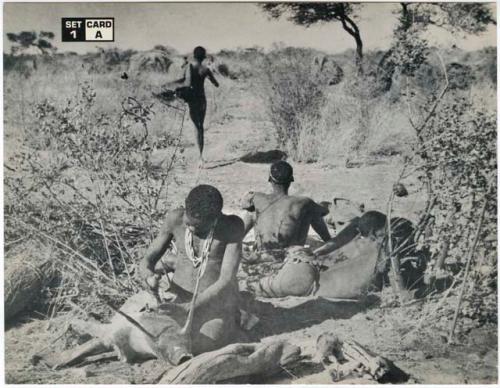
<point>295,96</point>
<point>84,181</point>
<point>223,69</point>
<point>457,151</point>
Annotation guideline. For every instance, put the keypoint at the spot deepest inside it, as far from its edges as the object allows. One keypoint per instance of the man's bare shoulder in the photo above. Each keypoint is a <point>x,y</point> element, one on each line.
<point>309,203</point>
<point>298,200</point>
<point>251,199</point>
<point>232,228</point>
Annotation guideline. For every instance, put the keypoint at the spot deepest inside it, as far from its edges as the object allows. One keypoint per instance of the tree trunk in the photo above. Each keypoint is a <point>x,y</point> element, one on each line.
<point>359,54</point>
<point>353,30</point>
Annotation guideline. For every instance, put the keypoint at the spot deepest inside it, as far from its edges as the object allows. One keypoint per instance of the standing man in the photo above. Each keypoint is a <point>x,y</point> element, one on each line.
<point>193,92</point>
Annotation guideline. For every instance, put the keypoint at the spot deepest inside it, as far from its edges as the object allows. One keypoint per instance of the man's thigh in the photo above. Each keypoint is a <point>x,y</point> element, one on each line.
<point>293,279</point>
<point>213,335</point>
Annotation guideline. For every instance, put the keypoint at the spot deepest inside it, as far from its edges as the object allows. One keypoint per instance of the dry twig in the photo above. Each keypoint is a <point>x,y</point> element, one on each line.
<point>467,267</point>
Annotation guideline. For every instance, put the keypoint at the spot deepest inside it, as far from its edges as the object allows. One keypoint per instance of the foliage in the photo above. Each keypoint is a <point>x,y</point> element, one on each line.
<point>295,93</point>
<point>170,51</point>
<point>307,14</point>
<point>471,18</point>
<point>456,150</point>
<point>27,39</point>
<point>85,181</point>
<point>455,143</point>
<point>410,50</point>
<point>106,60</point>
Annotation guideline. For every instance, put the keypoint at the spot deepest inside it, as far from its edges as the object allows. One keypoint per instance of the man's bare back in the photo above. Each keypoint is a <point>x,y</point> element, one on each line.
<point>281,223</point>
<point>282,220</point>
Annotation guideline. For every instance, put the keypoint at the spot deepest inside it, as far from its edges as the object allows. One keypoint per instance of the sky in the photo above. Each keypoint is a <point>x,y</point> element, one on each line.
<point>216,26</point>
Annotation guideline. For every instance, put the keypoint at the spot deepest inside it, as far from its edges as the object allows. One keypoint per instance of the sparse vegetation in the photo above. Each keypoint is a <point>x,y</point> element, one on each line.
<point>92,160</point>
<point>91,183</point>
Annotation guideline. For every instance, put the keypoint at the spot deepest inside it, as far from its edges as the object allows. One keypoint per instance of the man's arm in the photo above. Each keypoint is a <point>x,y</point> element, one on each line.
<point>212,78</point>
<point>184,77</point>
<point>248,222</point>
<point>159,245</point>
<point>345,235</point>
<point>229,267</point>
<point>318,222</point>
<point>247,203</point>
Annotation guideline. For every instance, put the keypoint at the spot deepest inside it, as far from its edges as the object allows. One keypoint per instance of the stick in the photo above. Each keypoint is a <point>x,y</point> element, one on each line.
<point>108,253</point>
<point>467,268</point>
<point>398,281</point>
<point>60,243</point>
<point>189,321</point>
<point>127,317</point>
<point>172,159</point>
<point>430,314</point>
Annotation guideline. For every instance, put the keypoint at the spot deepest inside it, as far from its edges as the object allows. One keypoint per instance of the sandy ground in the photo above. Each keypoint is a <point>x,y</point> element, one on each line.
<point>423,354</point>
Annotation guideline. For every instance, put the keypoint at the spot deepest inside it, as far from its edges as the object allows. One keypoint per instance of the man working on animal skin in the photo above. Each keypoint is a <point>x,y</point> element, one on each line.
<point>281,223</point>
<point>201,232</point>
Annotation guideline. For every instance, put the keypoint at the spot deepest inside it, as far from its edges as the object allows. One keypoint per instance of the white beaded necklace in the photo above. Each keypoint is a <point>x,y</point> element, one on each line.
<point>207,243</point>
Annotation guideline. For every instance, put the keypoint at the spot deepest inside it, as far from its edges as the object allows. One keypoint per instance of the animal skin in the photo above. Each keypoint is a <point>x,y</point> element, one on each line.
<point>132,344</point>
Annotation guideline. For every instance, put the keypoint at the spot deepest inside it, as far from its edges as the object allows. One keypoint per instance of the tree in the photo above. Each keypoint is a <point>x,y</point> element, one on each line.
<point>455,139</point>
<point>307,14</point>
<point>409,49</point>
<point>26,39</point>
<point>471,18</point>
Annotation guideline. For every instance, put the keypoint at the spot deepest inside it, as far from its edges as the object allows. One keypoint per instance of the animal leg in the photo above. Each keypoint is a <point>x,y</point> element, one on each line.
<point>78,354</point>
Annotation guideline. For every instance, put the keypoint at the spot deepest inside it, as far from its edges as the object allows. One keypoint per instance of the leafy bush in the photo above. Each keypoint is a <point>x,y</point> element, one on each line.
<point>223,69</point>
<point>456,150</point>
<point>85,181</point>
<point>295,95</point>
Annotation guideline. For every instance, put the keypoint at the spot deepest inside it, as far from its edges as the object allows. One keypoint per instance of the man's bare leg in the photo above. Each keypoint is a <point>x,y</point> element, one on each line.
<point>197,117</point>
<point>76,355</point>
<point>218,333</point>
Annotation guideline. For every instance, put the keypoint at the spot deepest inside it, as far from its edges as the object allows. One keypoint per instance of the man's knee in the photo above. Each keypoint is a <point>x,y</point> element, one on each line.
<point>213,329</point>
<point>294,279</point>
<point>213,335</point>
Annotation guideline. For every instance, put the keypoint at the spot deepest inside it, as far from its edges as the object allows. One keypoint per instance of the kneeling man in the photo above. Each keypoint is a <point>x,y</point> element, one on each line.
<point>201,232</point>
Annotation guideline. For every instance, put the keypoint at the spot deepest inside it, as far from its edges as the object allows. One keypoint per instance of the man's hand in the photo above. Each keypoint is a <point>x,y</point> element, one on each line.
<point>174,309</point>
<point>152,281</point>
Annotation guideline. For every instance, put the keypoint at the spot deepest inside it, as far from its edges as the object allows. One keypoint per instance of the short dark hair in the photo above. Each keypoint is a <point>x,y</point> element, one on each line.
<point>199,52</point>
<point>281,173</point>
<point>370,222</point>
<point>204,201</point>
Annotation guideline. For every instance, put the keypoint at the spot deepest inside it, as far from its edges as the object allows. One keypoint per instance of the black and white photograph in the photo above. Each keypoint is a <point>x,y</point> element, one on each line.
<point>250,193</point>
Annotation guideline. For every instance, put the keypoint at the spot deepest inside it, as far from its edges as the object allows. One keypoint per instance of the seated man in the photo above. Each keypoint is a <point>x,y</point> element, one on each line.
<point>281,221</point>
<point>201,232</point>
<point>358,256</point>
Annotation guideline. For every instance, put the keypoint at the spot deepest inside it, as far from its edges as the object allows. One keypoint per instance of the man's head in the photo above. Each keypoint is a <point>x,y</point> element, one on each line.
<point>203,206</point>
<point>372,223</point>
<point>281,174</point>
<point>199,53</point>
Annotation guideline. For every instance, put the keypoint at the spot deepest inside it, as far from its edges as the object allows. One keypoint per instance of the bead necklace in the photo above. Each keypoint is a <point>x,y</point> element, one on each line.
<point>207,243</point>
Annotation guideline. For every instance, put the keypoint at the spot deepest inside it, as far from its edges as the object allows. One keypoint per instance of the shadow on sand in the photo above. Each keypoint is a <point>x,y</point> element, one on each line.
<point>279,319</point>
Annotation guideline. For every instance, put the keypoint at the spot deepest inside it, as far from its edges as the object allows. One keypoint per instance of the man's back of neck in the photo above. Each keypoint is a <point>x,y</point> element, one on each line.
<point>279,190</point>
